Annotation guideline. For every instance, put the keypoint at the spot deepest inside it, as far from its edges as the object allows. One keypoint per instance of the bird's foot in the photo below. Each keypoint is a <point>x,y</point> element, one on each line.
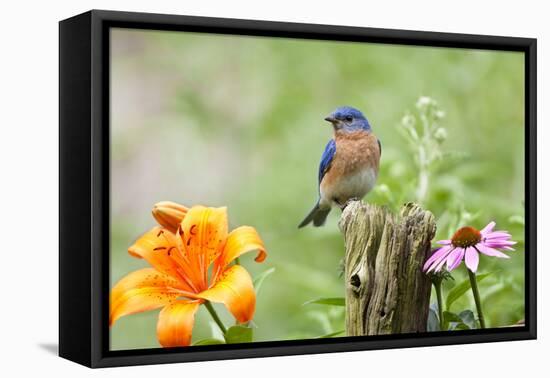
<point>345,204</point>
<point>353,199</point>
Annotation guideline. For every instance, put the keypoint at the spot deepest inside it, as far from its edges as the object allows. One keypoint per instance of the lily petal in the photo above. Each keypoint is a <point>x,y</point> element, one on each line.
<point>158,247</point>
<point>242,240</point>
<point>142,290</point>
<point>203,232</point>
<point>471,259</point>
<point>175,323</point>
<point>235,290</point>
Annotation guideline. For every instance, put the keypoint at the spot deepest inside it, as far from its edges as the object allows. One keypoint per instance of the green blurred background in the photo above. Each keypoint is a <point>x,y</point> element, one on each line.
<point>238,122</point>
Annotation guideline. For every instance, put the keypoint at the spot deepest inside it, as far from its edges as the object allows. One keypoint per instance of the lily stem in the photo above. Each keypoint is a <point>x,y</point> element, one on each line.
<point>215,316</point>
<point>437,285</point>
<point>475,291</point>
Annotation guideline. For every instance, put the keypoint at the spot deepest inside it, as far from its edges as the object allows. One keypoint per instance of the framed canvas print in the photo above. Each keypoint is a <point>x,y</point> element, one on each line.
<point>234,188</point>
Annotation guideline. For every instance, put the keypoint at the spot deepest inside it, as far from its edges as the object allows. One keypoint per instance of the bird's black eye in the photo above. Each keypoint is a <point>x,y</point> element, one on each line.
<point>349,118</point>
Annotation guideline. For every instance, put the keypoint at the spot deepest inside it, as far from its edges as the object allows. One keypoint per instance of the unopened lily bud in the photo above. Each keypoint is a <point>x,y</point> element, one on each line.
<point>169,214</point>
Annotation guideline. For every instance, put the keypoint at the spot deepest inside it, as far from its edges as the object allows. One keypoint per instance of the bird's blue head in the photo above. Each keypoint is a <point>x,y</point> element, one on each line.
<point>348,119</point>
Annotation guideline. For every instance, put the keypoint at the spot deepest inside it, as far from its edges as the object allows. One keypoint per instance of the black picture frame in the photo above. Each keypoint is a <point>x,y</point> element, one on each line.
<point>84,187</point>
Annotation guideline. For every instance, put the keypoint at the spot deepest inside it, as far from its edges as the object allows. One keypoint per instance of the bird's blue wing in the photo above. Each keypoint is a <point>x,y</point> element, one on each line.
<point>326,159</point>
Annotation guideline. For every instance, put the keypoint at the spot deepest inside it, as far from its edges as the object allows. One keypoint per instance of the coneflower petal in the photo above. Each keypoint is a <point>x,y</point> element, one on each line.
<point>471,258</point>
<point>497,235</point>
<point>488,229</point>
<point>455,258</point>
<point>487,250</point>
<point>440,253</point>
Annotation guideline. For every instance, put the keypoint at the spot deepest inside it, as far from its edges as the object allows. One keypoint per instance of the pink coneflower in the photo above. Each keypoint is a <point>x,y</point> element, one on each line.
<point>467,243</point>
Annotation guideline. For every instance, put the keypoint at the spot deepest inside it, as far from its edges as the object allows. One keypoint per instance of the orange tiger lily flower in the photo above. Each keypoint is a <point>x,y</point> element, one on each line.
<point>181,252</point>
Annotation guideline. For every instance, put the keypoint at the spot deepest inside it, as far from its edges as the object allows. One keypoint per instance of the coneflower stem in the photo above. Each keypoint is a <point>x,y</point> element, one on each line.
<point>437,285</point>
<point>215,316</point>
<point>475,291</point>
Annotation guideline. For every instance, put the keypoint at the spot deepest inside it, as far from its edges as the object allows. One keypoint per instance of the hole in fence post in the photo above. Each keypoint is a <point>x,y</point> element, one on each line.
<point>355,281</point>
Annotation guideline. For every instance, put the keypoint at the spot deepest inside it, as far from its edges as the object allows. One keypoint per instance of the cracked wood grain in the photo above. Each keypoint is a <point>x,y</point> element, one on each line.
<point>386,291</point>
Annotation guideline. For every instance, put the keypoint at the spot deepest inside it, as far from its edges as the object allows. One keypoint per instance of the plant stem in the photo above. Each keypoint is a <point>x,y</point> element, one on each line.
<point>475,291</point>
<point>437,285</point>
<point>423,176</point>
<point>215,316</point>
<point>237,261</point>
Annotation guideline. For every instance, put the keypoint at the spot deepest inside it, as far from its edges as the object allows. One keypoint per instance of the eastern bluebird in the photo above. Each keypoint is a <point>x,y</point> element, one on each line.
<point>349,165</point>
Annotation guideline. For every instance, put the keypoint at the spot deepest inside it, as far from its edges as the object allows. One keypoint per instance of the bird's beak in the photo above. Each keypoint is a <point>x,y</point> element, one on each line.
<point>330,119</point>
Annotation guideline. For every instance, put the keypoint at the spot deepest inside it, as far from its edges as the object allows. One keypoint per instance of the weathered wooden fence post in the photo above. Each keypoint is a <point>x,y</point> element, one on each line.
<point>386,291</point>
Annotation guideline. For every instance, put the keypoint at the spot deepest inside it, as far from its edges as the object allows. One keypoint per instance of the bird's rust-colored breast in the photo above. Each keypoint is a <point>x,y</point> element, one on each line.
<point>356,150</point>
<point>354,168</point>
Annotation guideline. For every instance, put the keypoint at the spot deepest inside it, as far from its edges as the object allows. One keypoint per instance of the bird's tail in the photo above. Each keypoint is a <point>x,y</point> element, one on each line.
<point>317,215</point>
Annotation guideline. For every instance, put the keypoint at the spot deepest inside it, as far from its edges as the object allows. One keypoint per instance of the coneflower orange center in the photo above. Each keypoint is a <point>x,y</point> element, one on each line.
<point>466,237</point>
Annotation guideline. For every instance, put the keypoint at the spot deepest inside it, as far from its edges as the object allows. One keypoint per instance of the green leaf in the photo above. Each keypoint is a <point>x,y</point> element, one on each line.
<point>330,334</point>
<point>433,321</point>
<point>260,278</point>
<point>450,320</point>
<point>339,301</point>
<point>468,318</point>
<point>209,342</point>
<point>451,317</point>
<point>454,322</point>
<point>457,326</point>
<point>460,289</point>
<point>238,334</point>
